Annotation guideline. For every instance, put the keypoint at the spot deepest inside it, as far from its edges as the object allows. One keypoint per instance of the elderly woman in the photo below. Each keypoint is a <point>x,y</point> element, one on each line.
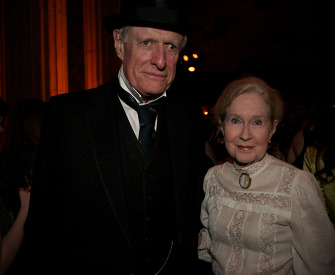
<point>261,215</point>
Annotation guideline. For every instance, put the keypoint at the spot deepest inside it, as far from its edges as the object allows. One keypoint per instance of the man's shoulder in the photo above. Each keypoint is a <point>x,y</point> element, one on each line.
<point>89,95</point>
<point>83,100</point>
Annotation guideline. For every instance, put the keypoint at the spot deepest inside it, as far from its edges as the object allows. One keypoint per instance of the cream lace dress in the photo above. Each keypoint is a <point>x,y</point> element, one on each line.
<point>278,225</point>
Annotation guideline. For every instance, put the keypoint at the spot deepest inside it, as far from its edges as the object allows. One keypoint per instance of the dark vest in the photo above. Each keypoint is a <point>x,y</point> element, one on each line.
<point>149,192</point>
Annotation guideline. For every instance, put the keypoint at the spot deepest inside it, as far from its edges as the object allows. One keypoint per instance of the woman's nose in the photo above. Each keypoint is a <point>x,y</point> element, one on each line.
<point>245,134</point>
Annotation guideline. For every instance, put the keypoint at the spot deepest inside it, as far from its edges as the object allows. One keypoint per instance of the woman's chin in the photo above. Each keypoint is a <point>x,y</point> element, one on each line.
<point>243,161</point>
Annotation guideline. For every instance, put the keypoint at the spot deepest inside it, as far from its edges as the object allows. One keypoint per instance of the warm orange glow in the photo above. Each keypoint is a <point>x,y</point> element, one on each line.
<point>2,54</point>
<point>44,90</point>
<point>90,45</point>
<point>205,113</point>
<point>191,69</point>
<point>57,39</point>
<point>185,57</point>
<point>195,56</point>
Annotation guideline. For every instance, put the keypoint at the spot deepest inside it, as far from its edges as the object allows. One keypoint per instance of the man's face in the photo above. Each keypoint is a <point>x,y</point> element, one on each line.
<point>149,58</point>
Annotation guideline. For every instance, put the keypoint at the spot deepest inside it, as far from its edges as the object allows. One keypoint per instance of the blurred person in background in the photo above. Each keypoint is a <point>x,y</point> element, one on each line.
<point>16,171</point>
<point>319,158</point>
<point>3,115</point>
<point>12,233</point>
<point>305,136</point>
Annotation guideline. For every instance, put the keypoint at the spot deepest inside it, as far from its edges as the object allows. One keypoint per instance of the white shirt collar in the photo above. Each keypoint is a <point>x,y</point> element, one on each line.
<point>124,83</point>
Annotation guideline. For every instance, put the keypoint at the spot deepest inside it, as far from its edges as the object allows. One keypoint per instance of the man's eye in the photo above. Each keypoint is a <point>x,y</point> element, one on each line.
<point>171,47</point>
<point>258,122</point>
<point>146,43</point>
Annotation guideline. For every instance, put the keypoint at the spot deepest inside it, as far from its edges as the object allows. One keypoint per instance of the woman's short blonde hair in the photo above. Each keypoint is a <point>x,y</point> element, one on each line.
<point>246,85</point>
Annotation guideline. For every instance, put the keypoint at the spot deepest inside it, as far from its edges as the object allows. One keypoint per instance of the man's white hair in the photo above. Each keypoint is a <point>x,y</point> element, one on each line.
<point>125,30</point>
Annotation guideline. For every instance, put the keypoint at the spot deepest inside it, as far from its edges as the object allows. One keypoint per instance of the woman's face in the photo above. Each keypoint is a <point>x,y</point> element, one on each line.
<point>247,128</point>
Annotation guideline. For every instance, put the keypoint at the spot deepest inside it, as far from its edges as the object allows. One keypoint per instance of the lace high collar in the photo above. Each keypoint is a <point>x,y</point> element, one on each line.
<point>253,168</point>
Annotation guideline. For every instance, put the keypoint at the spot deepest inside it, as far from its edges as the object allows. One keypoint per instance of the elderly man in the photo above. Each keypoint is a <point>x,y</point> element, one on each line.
<point>117,186</point>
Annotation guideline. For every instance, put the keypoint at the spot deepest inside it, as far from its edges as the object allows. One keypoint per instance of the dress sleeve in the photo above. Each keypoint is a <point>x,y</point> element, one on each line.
<point>313,233</point>
<point>203,248</point>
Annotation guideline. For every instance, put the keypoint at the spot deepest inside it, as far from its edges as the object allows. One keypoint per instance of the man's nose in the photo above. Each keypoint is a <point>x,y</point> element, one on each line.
<point>159,57</point>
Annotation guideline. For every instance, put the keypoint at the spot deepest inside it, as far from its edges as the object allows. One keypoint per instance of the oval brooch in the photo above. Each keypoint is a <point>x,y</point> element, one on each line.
<point>245,181</point>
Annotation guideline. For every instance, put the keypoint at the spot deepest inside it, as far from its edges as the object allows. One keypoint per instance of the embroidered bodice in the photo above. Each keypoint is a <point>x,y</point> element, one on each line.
<point>267,227</point>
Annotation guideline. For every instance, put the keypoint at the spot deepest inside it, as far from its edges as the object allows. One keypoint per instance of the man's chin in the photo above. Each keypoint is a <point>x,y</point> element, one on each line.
<point>153,92</point>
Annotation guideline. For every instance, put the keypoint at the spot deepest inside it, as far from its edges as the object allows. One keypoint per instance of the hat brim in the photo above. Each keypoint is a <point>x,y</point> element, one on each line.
<point>117,21</point>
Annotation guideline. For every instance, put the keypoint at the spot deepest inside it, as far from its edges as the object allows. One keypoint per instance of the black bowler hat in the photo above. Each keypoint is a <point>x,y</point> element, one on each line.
<point>160,14</point>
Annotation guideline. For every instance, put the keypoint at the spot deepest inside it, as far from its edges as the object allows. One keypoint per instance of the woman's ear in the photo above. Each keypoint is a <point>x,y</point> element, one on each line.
<point>274,128</point>
<point>221,126</point>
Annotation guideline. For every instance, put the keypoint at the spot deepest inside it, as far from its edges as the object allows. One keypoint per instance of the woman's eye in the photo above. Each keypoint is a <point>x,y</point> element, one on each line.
<point>258,122</point>
<point>234,121</point>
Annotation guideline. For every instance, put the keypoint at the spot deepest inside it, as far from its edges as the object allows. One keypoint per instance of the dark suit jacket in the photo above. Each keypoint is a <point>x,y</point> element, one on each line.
<point>77,219</point>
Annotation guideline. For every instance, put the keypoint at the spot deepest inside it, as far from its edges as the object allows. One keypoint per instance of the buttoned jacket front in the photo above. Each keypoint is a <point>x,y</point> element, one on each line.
<point>77,194</point>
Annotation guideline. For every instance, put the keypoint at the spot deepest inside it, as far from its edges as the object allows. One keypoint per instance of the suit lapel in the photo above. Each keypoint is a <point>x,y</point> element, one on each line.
<point>178,142</point>
<point>102,127</point>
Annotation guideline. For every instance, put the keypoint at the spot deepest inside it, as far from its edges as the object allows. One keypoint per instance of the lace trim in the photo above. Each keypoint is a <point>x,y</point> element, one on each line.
<point>286,180</point>
<point>266,243</point>
<point>278,201</point>
<point>253,168</point>
<point>235,236</point>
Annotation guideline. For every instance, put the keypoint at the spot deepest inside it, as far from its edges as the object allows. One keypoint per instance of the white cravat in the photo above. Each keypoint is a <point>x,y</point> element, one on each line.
<point>130,112</point>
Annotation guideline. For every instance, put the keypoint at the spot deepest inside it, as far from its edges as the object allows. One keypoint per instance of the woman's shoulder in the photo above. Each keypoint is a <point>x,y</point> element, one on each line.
<point>281,164</point>
<point>296,174</point>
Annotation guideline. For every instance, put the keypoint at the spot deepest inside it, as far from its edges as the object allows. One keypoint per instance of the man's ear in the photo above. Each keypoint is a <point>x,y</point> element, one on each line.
<point>118,44</point>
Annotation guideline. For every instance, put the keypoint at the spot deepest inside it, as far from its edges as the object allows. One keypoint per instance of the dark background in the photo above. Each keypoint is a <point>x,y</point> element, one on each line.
<point>285,42</point>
